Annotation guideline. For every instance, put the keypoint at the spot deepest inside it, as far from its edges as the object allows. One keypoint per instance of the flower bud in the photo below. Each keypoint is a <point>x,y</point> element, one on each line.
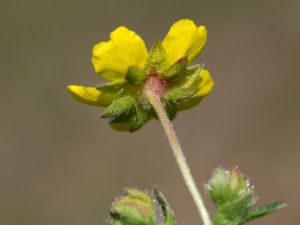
<point>228,185</point>
<point>137,207</point>
<point>230,191</point>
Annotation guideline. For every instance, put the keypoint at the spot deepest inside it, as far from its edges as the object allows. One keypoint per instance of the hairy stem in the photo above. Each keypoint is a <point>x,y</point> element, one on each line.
<point>178,153</point>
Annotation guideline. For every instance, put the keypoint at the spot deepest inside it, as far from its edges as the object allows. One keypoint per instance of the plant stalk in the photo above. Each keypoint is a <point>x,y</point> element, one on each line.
<point>179,155</point>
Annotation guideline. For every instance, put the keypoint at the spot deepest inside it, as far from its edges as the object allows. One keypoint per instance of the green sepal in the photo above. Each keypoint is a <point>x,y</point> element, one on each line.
<point>167,213</point>
<point>189,78</point>
<point>232,212</point>
<point>138,120</point>
<point>135,75</point>
<point>119,106</point>
<point>178,94</point>
<point>262,211</point>
<point>138,194</point>
<point>218,187</point>
<point>114,88</point>
<point>176,69</point>
<point>157,59</point>
<point>122,118</point>
<point>170,107</point>
<point>184,86</point>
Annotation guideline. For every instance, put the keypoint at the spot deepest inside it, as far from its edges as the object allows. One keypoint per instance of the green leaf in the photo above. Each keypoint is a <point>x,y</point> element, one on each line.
<point>157,59</point>
<point>176,69</point>
<point>262,211</point>
<point>119,106</point>
<point>135,75</point>
<point>138,120</point>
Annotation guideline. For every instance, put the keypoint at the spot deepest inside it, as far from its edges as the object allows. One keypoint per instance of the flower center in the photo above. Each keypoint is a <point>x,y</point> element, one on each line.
<point>155,84</point>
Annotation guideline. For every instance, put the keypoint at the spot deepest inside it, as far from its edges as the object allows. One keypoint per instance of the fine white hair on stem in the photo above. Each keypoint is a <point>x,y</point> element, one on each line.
<point>179,155</point>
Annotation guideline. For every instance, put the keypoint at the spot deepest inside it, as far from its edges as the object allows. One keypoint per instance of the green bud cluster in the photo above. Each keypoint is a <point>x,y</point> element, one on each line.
<point>234,198</point>
<point>228,189</point>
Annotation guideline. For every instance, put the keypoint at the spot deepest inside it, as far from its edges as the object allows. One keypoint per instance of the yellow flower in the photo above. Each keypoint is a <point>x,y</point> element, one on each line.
<point>125,61</point>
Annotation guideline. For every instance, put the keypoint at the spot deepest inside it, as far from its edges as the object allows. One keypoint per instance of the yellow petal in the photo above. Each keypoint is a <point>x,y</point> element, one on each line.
<point>205,86</point>
<point>89,95</point>
<point>184,39</point>
<point>125,48</point>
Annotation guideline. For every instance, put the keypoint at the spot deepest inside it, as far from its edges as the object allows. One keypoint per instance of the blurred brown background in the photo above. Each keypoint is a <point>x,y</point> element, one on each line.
<point>60,164</point>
